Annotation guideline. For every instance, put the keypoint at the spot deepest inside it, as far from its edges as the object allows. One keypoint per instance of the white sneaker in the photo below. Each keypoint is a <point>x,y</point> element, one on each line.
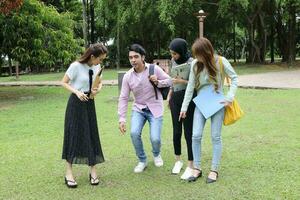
<point>177,167</point>
<point>140,167</point>
<point>187,173</point>
<point>158,161</point>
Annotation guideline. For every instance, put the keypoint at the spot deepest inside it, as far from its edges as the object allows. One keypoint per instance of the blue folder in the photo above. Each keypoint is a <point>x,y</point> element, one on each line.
<point>208,101</point>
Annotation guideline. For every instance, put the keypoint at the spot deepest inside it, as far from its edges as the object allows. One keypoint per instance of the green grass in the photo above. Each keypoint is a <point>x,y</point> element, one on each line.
<point>260,156</point>
<point>108,74</point>
<point>243,69</point>
<point>112,74</point>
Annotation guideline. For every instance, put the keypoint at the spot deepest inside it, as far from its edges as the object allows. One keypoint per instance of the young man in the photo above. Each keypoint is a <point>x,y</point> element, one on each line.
<point>145,107</point>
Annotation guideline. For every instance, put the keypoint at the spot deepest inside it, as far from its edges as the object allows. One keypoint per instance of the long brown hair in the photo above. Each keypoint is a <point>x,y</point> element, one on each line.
<point>202,48</point>
<point>96,50</point>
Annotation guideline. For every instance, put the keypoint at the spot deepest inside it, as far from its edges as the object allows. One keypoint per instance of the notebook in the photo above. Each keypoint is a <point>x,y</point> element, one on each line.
<point>208,101</point>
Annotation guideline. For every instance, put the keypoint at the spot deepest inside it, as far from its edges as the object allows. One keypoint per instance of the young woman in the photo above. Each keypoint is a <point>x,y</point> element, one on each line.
<point>180,55</point>
<point>206,72</point>
<point>81,138</point>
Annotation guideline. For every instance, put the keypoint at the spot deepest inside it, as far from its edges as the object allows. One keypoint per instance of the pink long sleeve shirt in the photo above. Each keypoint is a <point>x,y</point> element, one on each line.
<point>143,91</point>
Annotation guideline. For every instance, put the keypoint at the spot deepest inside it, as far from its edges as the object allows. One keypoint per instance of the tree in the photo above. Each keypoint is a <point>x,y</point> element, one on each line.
<point>286,28</point>
<point>38,37</point>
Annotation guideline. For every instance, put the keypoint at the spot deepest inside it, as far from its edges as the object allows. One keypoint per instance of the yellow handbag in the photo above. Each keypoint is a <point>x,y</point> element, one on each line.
<point>233,112</point>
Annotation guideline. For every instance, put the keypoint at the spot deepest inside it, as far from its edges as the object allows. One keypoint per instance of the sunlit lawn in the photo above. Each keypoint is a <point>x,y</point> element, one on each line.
<point>112,74</point>
<point>260,155</point>
<point>108,74</point>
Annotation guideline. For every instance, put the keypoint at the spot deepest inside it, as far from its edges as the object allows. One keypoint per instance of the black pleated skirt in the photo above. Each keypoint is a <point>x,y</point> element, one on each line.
<point>81,137</point>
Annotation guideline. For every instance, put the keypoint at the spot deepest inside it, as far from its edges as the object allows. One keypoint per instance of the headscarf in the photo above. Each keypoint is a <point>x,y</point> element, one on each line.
<point>179,45</point>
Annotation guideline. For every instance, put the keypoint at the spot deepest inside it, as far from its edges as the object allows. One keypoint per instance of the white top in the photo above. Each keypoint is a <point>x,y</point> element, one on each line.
<point>79,75</point>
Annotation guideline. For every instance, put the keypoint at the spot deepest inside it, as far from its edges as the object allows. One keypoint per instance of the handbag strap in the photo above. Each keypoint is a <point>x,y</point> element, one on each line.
<point>223,76</point>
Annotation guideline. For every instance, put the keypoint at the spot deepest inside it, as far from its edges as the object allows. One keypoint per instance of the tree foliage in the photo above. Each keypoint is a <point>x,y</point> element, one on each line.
<point>44,34</point>
<point>38,36</point>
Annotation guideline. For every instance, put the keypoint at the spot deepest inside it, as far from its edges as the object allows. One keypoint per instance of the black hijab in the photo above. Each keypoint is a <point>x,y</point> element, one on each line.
<point>179,45</point>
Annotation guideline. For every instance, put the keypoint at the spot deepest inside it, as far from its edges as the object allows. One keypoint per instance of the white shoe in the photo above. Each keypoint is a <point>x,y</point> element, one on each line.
<point>177,167</point>
<point>158,161</point>
<point>140,167</point>
<point>187,173</point>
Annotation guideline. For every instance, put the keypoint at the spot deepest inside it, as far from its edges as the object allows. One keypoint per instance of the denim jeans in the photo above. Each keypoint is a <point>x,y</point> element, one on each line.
<point>216,127</point>
<point>138,120</point>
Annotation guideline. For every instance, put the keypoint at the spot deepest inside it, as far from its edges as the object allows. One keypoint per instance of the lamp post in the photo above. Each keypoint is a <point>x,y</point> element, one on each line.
<point>201,16</point>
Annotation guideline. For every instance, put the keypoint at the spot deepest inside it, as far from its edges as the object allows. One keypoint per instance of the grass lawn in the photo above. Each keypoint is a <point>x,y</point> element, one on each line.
<point>260,152</point>
<point>108,74</point>
<point>242,68</point>
<point>112,74</point>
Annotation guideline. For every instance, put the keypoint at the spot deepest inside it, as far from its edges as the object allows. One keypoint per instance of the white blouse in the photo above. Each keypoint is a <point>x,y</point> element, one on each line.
<point>79,75</point>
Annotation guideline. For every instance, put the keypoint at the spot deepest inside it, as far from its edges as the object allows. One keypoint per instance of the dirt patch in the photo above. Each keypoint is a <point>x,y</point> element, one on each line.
<point>6,106</point>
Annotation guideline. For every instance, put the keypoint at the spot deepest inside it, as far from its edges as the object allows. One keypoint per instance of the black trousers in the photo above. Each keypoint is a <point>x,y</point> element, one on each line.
<point>175,106</point>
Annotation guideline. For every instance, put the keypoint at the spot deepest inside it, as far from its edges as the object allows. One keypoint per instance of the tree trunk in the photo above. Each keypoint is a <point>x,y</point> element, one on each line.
<point>158,44</point>
<point>291,54</point>
<point>10,66</point>
<point>17,70</point>
<point>287,34</point>
<point>263,38</point>
<point>234,51</point>
<point>118,36</point>
<point>272,32</point>
<point>281,34</point>
<point>84,25</point>
<point>272,42</point>
<point>92,14</point>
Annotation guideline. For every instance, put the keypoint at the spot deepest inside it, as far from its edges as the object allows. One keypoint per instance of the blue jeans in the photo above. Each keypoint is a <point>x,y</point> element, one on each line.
<point>138,120</point>
<point>216,127</point>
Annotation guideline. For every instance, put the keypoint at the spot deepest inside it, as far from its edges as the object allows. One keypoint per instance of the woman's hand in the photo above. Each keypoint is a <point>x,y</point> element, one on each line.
<point>179,80</point>
<point>168,102</point>
<point>169,98</point>
<point>226,103</point>
<point>82,96</point>
<point>95,91</point>
<point>182,115</point>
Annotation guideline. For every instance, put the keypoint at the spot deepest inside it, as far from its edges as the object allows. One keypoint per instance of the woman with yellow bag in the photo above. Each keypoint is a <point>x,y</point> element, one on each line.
<point>206,71</point>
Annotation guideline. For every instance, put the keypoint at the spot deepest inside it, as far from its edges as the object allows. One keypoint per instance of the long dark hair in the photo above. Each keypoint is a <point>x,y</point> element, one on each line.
<point>203,48</point>
<point>96,50</point>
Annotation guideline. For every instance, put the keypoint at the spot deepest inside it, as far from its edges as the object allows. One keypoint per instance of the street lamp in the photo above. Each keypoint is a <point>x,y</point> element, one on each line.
<point>201,16</point>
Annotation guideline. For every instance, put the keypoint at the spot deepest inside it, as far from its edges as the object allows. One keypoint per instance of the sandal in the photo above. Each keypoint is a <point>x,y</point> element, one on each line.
<point>194,178</point>
<point>70,185</point>
<point>94,181</point>
<point>209,180</point>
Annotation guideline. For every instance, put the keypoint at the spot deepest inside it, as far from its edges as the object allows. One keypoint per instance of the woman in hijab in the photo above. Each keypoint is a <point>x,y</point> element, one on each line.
<point>181,56</point>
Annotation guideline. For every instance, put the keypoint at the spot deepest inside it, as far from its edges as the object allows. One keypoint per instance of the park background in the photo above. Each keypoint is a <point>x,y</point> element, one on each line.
<point>41,38</point>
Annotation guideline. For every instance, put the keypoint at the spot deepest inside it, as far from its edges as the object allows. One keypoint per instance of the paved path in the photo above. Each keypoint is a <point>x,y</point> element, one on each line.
<point>279,80</point>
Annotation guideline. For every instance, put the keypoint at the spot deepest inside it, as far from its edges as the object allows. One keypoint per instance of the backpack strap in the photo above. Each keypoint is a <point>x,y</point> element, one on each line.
<point>151,72</point>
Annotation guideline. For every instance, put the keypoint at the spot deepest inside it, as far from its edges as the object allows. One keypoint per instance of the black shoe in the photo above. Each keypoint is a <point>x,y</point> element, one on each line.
<point>194,178</point>
<point>208,180</point>
<point>69,181</point>
<point>94,180</point>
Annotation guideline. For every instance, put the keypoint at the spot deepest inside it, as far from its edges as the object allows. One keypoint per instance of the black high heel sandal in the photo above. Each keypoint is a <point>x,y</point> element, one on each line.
<point>69,181</point>
<point>94,179</point>
<point>208,180</point>
<point>194,178</point>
